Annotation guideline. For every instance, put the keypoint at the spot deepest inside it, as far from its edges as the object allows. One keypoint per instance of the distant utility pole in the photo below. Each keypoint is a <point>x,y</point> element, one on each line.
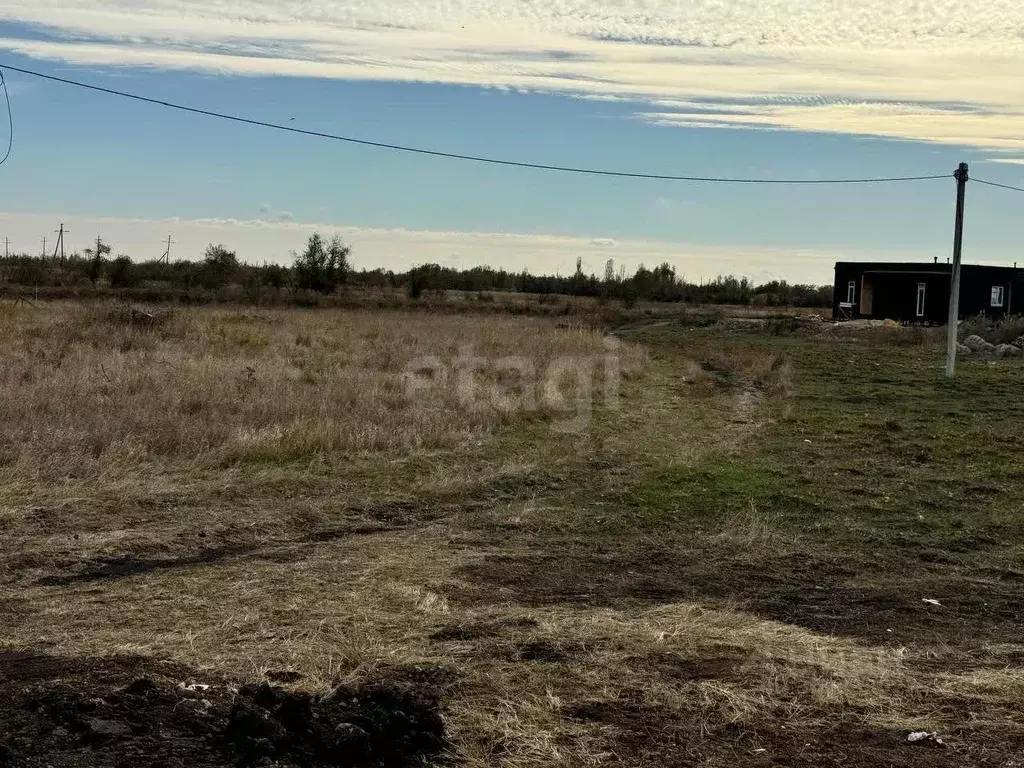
<point>167,253</point>
<point>60,243</point>
<point>961,176</point>
<point>44,247</point>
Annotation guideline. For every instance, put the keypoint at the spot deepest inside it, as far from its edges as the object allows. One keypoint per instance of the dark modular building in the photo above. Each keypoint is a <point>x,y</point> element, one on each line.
<point>919,293</point>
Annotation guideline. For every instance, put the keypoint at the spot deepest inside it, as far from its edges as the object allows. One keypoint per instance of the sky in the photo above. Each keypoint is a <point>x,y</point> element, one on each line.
<point>808,89</point>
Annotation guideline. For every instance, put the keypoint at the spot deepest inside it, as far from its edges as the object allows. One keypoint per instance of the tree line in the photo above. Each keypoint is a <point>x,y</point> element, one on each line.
<point>325,267</point>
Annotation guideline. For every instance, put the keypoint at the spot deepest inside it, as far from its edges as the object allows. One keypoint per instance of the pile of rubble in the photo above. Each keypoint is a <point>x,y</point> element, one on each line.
<point>975,345</point>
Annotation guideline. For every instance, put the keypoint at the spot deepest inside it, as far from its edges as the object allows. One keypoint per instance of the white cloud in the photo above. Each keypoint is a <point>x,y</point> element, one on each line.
<point>901,121</point>
<point>270,213</point>
<point>940,71</point>
<point>263,240</point>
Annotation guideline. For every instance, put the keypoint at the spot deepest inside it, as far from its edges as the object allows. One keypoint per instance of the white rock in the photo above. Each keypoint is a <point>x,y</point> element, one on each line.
<point>924,737</point>
<point>1008,350</point>
<point>194,687</point>
<point>974,343</point>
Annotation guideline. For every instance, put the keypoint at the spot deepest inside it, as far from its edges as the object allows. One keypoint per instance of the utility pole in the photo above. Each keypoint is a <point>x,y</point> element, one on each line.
<point>167,254</point>
<point>44,247</point>
<point>60,243</point>
<point>961,176</point>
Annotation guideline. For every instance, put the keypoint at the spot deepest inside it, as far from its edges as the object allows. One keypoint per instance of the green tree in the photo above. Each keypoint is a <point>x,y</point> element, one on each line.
<point>311,266</point>
<point>96,259</point>
<point>220,266</point>
<point>425,277</point>
<point>274,275</point>
<point>122,273</point>
<point>338,266</point>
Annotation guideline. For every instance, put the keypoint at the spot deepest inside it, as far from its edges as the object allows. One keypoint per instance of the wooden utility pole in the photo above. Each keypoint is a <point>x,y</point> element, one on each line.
<point>167,254</point>
<point>44,247</point>
<point>60,243</point>
<point>961,176</point>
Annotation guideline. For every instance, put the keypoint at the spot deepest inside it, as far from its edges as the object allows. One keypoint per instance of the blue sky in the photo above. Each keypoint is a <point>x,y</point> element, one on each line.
<point>662,91</point>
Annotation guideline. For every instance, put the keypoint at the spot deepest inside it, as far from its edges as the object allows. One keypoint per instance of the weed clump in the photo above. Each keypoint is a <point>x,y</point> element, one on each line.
<point>1004,331</point>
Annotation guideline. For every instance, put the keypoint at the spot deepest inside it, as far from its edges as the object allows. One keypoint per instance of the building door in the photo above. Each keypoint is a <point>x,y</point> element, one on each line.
<point>922,291</point>
<point>867,296</point>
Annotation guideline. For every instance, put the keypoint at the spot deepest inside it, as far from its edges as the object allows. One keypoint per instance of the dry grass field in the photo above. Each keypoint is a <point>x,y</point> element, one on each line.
<point>723,564</point>
<point>88,388</point>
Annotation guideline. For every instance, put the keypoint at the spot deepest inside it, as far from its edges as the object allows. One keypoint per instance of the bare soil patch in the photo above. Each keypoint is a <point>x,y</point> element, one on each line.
<point>120,712</point>
<point>478,630</point>
<point>643,733</point>
<point>726,667</point>
<point>809,593</point>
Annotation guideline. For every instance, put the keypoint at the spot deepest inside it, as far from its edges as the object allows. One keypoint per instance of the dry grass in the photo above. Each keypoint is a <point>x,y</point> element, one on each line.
<point>304,514</point>
<point>1004,331</point>
<point>88,388</point>
<point>758,368</point>
<point>887,333</point>
<point>751,529</point>
<point>709,686</point>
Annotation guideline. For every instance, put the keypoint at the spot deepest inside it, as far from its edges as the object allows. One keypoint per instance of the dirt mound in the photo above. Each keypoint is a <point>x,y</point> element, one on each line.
<point>116,713</point>
<point>374,725</point>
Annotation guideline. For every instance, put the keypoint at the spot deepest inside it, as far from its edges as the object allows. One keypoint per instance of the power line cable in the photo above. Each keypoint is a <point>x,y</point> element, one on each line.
<point>456,155</point>
<point>10,118</point>
<point>995,184</point>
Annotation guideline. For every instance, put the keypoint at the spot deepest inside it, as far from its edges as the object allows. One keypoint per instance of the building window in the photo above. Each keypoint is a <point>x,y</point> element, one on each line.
<point>851,292</point>
<point>997,295</point>
<point>922,290</point>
